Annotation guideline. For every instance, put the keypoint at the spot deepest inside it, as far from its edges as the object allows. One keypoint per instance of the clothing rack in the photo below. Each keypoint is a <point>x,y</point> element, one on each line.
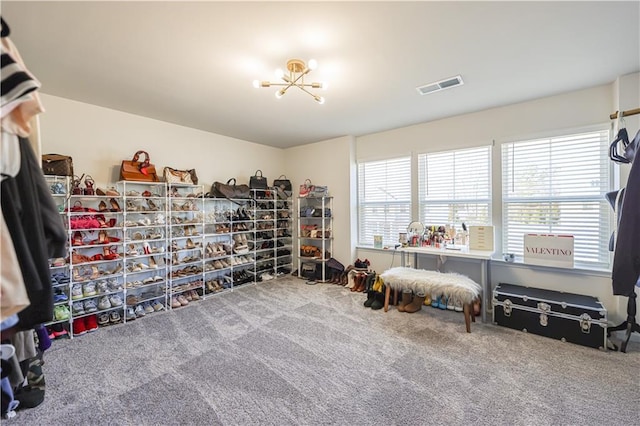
<point>625,113</point>
<point>629,325</point>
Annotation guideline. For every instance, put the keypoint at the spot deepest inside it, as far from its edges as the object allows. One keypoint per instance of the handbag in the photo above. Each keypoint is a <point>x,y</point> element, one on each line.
<point>172,175</point>
<point>57,165</point>
<point>258,182</point>
<point>282,183</point>
<point>135,170</point>
<point>230,190</point>
<point>319,191</point>
<point>305,188</point>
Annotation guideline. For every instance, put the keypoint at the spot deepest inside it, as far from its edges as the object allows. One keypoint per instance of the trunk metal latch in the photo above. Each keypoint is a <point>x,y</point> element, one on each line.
<point>507,307</point>
<point>585,323</point>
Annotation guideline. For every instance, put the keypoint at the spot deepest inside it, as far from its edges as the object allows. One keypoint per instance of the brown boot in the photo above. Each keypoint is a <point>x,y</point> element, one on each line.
<point>356,282</point>
<point>416,304</point>
<point>407,295</point>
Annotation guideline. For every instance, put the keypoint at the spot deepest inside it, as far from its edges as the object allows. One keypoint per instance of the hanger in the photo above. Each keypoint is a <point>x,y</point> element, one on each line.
<point>623,137</point>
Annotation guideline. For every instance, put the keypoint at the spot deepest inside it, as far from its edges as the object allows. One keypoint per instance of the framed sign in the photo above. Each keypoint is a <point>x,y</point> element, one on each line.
<point>549,250</point>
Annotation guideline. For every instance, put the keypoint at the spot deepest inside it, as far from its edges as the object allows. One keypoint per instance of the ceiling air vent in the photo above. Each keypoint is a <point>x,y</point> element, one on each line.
<point>440,85</point>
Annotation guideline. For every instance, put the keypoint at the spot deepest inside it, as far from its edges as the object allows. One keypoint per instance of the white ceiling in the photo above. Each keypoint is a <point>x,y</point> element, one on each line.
<point>192,63</point>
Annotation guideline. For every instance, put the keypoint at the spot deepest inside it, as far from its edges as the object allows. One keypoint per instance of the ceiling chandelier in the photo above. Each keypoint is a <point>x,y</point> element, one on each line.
<point>295,78</point>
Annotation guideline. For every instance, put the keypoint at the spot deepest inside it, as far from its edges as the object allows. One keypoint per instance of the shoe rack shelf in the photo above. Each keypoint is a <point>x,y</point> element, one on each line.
<point>186,242</point>
<point>96,261</point>
<point>315,222</point>
<point>284,236</point>
<point>273,243</point>
<point>145,239</point>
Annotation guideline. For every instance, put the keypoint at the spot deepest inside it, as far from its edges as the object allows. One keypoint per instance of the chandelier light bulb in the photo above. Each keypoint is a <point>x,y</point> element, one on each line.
<point>279,73</point>
<point>279,94</point>
<point>313,64</point>
<point>256,84</point>
<point>319,99</point>
<point>324,85</point>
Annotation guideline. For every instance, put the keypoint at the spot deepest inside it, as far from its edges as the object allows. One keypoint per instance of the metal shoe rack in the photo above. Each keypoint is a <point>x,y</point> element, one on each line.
<point>144,247</point>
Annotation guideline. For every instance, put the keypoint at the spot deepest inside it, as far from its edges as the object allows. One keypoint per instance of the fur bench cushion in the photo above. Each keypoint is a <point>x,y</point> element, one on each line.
<point>432,282</point>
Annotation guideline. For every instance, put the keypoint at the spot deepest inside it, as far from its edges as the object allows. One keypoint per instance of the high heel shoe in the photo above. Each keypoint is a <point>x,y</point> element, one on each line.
<point>152,263</point>
<point>189,244</point>
<point>77,239</point>
<point>147,248</point>
<point>103,206</point>
<point>115,207</point>
<point>89,182</point>
<point>152,205</point>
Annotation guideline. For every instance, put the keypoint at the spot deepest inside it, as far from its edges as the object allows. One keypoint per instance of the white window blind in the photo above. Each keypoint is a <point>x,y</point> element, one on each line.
<point>455,187</point>
<point>384,199</point>
<point>557,185</point>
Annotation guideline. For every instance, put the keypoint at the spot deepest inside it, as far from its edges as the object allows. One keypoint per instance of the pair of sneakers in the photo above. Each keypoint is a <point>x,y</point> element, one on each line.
<point>107,302</point>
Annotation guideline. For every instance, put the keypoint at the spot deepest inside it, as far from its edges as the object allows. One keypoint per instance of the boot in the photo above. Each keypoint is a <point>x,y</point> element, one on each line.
<point>354,282</point>
<point>363,283</point>
<point>378,302</point>
<point>407,295</point>
<point>370,299</point>
<point>416,304</point>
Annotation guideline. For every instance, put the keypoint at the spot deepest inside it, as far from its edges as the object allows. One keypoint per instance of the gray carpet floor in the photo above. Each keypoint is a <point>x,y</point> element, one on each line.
<point>286,353</point>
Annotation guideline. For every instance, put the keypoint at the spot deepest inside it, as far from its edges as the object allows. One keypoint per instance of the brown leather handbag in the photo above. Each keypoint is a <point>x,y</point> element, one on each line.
<point>136,170</point>
<point>57,165</point>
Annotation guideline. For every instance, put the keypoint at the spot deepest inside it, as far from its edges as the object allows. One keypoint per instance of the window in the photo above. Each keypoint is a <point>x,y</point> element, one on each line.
<point>455,187</point>
<point>384,199</point>
<point>557,185</point>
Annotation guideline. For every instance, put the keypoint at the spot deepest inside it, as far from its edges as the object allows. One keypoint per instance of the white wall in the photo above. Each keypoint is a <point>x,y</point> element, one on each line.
<point>528,119</point>
<point>328,163</point>
<point>99,139</point>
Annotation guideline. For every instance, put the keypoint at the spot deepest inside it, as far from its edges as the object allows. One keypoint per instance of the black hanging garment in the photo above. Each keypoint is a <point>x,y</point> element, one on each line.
<point>626,260</point>
<point>37,232</point>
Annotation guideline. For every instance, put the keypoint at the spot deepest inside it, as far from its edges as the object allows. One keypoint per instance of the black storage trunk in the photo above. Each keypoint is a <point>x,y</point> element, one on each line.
<point>568,317</point>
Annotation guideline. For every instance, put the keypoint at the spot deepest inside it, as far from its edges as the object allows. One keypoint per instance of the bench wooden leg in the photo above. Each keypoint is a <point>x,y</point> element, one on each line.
<point>386,298</point>
<point>468,314</point>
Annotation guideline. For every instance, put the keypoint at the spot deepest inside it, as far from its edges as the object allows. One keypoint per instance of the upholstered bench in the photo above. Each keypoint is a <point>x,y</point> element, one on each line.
<point>434,283</point>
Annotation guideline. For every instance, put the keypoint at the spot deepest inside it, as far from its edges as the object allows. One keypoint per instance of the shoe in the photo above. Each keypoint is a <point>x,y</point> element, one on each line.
<point>182,300</point>
<point>435,301</point>
<point>451,302</point>
<point>59,296</point>
<point>407,297</point>
<point>78,308</point>
<point>416,303</point>
<point>378,302</point>
<point>370,298</point>
<point>115,300</point>
<point>103,319</point>
<point>139,311</point>
<point>58,331</point>
<point>114,285</point>
<point>104,303</point>
<point>91,322</point>
<point>89,289</point>
<point>102,287</point>
<point>175,303</point>
<point>132,299</point>
<point>90,306</point>
<point>76,292</point>
<point>442,303</point>
<point>114,317</point>
<point>61,313</point>
<point>457,305</point>
<point>157,305</point>
<point>147,308</point>
<point>129,314</point>
<point>195,295</point>
<point>79,327</point>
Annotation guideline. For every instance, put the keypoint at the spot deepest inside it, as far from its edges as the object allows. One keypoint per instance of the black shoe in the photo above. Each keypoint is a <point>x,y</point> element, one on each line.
<point>371,297</point>
<point>378,302</point>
